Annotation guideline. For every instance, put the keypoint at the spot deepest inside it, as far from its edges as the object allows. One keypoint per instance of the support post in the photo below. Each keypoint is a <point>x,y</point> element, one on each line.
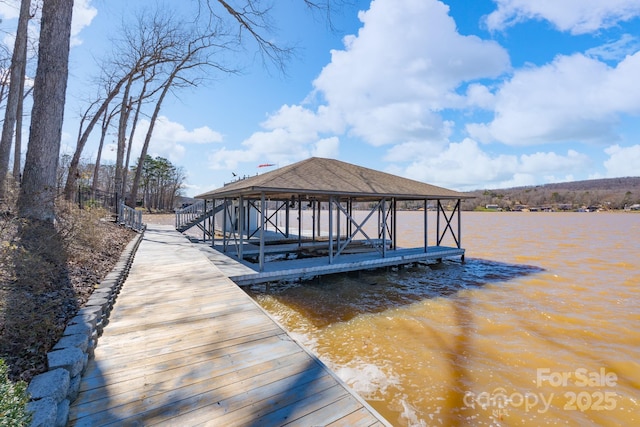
<point>225,214</point>
<point>394,223</point>
<point>204,222</point>
<point>439,208</point>
<point>213,225</point>
<point>313,221</point>
<point>299,221</point>
<point>286,219</point>
<point>426,224</point>
<point>338,212</point>
<point>459,225</point>
<point>330,230</point>
<point>384,228</point>
<point>241,226</point>
<point>318,217</point>
<point>262,225</point>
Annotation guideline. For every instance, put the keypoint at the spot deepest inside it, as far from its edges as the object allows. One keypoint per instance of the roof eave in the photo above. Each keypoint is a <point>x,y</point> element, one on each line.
<point>256,191</point>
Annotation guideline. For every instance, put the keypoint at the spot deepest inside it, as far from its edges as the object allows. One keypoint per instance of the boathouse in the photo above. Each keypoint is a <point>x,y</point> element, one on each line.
<point>322,216</point>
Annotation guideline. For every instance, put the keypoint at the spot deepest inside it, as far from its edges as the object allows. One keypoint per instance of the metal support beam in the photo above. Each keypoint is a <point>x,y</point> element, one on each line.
<point>394,223</point>
<point>225,214</point>
<point>426,224</point>
<point>299,221</point>
<point>263,223</point>
<point>330,230</point>
<point>286,219</point>
<point>241,226</point>
<point>438,209</point>
<point>459,223</point>
<point>384,228</point>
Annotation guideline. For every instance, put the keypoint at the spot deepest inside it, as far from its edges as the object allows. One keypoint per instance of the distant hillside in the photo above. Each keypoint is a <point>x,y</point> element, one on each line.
<point>610,193</point>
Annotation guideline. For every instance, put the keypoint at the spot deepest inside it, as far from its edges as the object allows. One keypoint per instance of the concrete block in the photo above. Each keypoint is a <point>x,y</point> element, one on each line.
<point>97,311</point>
<point>80,341</point>
<point>44,412</point>
<point>71,359</point>
<point>78,328</point>
<point>85,318</point>
<point>53,384</point>
<point>62,415</point>
<point>74,388</point>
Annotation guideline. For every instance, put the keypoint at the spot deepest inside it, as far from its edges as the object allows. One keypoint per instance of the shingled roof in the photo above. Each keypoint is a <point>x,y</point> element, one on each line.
<point>320,178</point>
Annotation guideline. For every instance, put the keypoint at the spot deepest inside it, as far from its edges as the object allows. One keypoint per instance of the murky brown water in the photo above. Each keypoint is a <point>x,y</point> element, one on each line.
<point>540,326</point>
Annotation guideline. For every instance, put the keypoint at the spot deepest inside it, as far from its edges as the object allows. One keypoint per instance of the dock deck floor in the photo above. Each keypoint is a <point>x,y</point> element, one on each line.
<point>246,273</point>
<point>186,346</point>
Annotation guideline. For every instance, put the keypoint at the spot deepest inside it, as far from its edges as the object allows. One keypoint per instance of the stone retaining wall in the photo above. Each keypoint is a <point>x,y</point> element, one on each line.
<point>53,391</point>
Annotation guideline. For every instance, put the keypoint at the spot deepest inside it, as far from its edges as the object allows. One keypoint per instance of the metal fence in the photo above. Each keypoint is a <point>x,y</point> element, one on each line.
<point>88,198</point>
<point>130,217</point>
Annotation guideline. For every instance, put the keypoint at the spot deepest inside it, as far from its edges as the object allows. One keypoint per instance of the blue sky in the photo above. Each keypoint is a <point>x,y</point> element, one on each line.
<point>457,93</point>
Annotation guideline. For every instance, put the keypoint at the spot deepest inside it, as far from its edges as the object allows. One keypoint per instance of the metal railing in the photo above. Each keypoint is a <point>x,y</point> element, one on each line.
<point>130,217</point>
<point>190,213</point>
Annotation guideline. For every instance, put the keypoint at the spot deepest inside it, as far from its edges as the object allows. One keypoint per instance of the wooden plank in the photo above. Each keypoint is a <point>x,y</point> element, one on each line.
<point>163,319</point>
<point>143,367</point>
<point>359,418</point>
<point>209,399</point>
<point>246,408</point>
<point>184,345</point>
<point>167,392</point>
<point>220,335</point>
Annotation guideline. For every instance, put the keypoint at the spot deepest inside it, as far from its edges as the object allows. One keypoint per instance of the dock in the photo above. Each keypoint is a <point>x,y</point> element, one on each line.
<point>245,273</point>
<point>186,346</point>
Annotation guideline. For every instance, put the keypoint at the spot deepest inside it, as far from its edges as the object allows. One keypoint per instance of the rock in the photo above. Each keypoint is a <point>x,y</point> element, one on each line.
<point>72,359</point>
<point>53,384</point>
<point>45,412</point>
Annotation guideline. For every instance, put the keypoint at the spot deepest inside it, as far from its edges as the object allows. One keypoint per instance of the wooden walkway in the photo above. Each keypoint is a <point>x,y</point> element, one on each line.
<point>185,346</point>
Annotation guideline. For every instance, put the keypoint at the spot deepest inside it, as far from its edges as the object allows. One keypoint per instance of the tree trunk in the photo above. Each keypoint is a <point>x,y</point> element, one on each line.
<point>37,195</point>
<point>16,88</point>
<point>130,203</point>
<point>96,170</point>
<point>125,109</point>
<point>156,112</point>
<point>17,153</point>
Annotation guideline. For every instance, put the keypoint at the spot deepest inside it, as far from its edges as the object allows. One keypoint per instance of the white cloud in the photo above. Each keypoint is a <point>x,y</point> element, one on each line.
<point>386,86</point>
<point>389,85</point>
<point>465,166</point>
<point>328,148</point>
<point>574,98</point>
<point>169,140</point>
<point>83,14</point>
<point>616,50</point>
<point>574,16</point>
<point>622,161</point>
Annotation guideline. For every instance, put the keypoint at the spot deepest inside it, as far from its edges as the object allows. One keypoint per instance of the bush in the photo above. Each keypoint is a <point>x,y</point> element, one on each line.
<point>13,400</point>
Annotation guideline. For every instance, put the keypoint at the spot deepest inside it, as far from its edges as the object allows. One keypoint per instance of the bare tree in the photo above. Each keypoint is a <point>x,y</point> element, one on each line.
<point>17,152</point>
<point>16,89</point>
<point>106,121</point>
<point>253,17</point>
<point>5,71</point>
<point>143,47</point>
<point>196,54</point>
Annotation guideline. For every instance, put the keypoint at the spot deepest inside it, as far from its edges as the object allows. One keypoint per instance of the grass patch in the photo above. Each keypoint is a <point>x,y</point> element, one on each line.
<point>13,400</point>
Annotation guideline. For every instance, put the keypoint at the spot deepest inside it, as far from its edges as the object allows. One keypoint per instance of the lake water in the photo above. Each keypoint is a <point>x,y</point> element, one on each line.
<point>540,325</point>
